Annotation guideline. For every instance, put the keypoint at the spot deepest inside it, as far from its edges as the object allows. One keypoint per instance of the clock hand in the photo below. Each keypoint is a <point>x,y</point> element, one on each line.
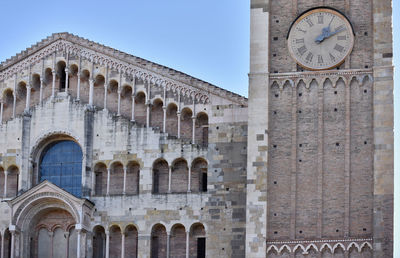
<point>336,32</point>
<point>326,32</point>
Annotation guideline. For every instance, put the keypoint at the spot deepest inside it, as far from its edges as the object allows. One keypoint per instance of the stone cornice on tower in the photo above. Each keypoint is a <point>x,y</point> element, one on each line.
<point>114,59</point>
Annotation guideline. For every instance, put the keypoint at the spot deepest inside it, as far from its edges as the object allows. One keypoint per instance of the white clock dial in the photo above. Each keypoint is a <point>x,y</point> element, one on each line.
<point>320,39</point>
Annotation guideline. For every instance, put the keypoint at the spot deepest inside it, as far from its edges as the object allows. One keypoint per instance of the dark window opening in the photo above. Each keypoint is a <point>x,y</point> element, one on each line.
<point>154,247</point>
<point>201,247</point>
<point>156,182</point>
<point>204,182</point>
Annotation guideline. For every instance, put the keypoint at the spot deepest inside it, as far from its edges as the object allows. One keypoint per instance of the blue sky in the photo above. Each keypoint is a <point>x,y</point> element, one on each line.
<point>207,39</point>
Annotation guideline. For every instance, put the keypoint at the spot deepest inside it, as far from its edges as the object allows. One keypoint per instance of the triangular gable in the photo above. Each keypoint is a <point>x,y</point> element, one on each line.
<point>159,75</point>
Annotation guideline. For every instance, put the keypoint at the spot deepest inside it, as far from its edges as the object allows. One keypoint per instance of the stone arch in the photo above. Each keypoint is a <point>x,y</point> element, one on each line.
<point>115,241</point>
<point>199,177</point>
<point>46,141</point>
<point>47,82</point>
<point>35,95</point>
<point>8,100</point>
<point>140,107</point>
<point>178,241</point>
<point>112,98</point>
<point>158,241</point>
<point>179,176</point>
<point>186,123</point>
<point>12,181</point>
<point>197,239</point>
<point>84,86</point>
<point>73,80</point>
<point>99,241</point>
<point>21,92</point>
<point>116,178</point>
<point>131,241</point>
<point>172,119</point>
<point>157,113</point>
<point>160,176</point>
<point>201,131</point>
<point>98,90</point>
<point>132,177</point>
<point>126,100</point>
<point>61,76</point>
<point>100,179</point>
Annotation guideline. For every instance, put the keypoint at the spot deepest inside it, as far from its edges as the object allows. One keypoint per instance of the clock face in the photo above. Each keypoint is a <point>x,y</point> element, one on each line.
<point>320,39</point>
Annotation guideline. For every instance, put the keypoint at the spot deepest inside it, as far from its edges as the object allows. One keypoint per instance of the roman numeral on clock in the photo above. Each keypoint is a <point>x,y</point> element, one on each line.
<point>320,19</point>
<point>320,59</point>
<point>299,41</point>
<point>304,31</point>
<point>333,58</point>
<point>341,27</point>
<point>341,37</point>
<point>338,48</point>
<point>309,57</point>
<point>302,50</point>
<point>310,23</point>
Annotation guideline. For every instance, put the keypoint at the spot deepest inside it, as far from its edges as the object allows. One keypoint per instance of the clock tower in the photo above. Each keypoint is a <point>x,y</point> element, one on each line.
<point>320,129</point>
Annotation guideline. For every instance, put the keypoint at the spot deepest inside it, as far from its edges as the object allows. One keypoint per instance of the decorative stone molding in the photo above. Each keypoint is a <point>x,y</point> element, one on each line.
<point>127,64</point>
<point>293,79</point>
<point>319,245</point>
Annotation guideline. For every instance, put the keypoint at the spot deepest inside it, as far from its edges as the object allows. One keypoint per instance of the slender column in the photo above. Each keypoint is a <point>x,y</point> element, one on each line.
<point>320,158</point>
<point>28,97</point>
<point>347,162</point>
<point>119,93</point>
<point>119,101</point>
<point>108,181</point>
<point>1,116</point>
<point>2,247</point>
<point>179,124</point>
<point>178,113</point>
<point>5,183</point>
<point>91,85</point>
<point>78,94</point>
<point>41,90</point>
<point>189,178</point>
<point>28,91</point>
<point>293,176</point>
<point>194,122</point>
<point>165,110</point>
<point>105,89</point>
<point>193,129</point>
<point>169,178</point>
<point>14,96</point>
<point>187,244</point>
<point>12,251</point>
<point>53,87</point>
<point>78,244</point>
<point>123,246</point>
<point>107,244</point>
<point>133,99</point>
<point>124,190</point>
<point>66,75</point>
<point>148,105</point>
<point>168,237</point>
<point>41,84</point>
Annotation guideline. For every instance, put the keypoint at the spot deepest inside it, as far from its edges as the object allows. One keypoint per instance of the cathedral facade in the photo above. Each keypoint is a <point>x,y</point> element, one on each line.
<point>105,154</point>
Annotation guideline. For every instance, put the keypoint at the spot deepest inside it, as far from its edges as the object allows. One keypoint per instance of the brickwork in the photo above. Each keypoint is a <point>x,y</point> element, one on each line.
<point>115,242</point>
<point>179,177</point>
<point>131,241</point>
<point>178,242</point>
<point>158,241</point>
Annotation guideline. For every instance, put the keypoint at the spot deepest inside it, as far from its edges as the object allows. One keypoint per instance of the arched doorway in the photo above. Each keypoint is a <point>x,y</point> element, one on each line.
<point>53,234</point>
<point>61,164</point>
